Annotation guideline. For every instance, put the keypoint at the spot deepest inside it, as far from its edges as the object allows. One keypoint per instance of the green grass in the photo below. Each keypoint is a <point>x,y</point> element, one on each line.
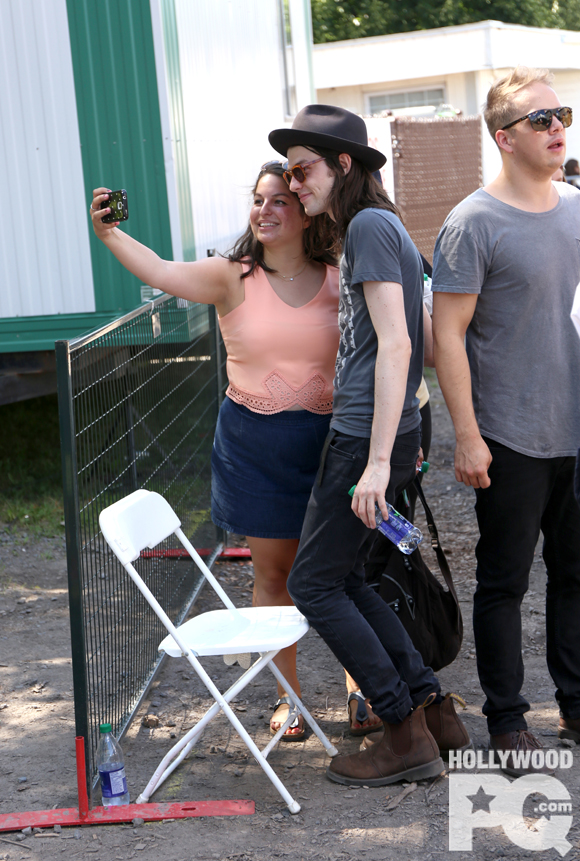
<point>430,377</point>
<point>30,467</point>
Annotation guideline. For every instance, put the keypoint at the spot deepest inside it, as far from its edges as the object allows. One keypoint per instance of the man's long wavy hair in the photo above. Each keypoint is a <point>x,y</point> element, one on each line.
<point>318,237</point>
<point>351,193</point>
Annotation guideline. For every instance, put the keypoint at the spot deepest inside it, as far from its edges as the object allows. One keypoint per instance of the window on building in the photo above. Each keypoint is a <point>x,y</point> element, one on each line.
<point>406,102</point>
<point>288,59</point>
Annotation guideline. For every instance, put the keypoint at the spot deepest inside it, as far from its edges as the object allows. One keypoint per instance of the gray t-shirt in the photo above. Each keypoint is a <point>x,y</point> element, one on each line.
<point>523,351</point>
<point>376,248</point>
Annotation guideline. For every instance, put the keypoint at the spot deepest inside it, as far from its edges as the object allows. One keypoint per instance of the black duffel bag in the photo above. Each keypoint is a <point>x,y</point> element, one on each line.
<point>430,613</point>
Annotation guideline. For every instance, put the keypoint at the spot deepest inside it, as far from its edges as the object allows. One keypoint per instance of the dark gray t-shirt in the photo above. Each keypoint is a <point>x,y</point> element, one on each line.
<point>523,350</point>
<point>376,248</point>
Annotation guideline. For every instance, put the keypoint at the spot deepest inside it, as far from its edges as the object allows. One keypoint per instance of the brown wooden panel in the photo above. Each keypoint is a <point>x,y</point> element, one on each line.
<point>437,162</point>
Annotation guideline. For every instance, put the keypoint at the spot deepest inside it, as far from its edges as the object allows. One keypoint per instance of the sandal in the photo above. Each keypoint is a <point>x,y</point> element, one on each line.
<point>362,716</point>
<point>297,722</point>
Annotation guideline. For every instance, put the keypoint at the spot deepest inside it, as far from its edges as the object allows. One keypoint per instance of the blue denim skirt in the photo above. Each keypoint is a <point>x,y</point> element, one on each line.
<point>263,469</point>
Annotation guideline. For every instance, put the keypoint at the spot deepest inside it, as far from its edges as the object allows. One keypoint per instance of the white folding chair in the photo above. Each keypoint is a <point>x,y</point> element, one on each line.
<point>144,519</point>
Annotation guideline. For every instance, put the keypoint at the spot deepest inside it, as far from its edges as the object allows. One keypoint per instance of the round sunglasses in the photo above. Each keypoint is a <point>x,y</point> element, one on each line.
<point>541,120</point>
<point>299,170</point>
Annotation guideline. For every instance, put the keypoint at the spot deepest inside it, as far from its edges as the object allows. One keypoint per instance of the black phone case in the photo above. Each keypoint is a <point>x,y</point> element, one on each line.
<point>119,209</point>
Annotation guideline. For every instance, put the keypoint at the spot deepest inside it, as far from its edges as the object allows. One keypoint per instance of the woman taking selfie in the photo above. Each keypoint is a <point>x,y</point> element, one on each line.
<point>276,295</point>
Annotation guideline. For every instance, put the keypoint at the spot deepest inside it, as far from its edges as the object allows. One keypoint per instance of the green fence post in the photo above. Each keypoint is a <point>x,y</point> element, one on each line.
<point>73,548</point>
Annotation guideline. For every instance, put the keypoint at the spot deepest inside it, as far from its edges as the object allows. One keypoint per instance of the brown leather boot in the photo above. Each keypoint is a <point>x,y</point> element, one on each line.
<point>444,725</point>
<point>569,728</point>
<point>516,749</point>
<point>405,751</point>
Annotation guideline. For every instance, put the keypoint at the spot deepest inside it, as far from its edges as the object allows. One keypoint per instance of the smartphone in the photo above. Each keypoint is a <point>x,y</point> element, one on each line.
<point>119,209</point>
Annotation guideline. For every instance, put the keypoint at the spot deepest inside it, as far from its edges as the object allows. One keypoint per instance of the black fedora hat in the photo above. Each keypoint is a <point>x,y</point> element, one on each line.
<point>330,127</point>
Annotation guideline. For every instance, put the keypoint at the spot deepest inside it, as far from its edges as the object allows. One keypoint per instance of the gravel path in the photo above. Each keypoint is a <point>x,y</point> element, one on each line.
<point>336,823</point>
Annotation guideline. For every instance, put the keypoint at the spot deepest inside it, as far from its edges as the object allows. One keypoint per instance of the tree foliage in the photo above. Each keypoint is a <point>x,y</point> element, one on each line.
<point>352,19</point>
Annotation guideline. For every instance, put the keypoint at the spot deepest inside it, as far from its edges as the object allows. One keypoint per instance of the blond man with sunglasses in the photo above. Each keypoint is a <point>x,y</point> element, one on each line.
<point>507,262</point>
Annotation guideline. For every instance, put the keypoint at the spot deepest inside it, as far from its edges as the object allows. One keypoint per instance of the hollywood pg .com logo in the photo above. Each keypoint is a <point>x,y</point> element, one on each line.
<point>488,800</point>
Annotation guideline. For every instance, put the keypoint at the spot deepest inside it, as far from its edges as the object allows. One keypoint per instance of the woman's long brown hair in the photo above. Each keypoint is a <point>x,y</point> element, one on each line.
<point>319,240</point>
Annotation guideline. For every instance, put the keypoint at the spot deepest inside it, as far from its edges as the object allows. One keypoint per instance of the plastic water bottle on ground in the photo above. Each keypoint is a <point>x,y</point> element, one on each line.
<point>397,528</point>
<point>111,765</point>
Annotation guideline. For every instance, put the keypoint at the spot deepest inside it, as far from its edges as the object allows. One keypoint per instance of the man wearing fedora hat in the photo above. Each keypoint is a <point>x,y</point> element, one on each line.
<point>373,444</point>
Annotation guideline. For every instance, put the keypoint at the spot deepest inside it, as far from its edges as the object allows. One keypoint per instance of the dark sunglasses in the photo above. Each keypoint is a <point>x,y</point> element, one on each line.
<point>299,170</point>
<point>541,120</point>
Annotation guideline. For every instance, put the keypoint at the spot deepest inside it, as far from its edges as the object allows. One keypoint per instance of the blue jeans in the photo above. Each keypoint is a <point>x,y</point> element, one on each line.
<point>327,580</point>
<point>526,495</point>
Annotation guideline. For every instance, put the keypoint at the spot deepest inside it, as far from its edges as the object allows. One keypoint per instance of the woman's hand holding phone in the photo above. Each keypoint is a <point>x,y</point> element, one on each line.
<point>213,281</point>
<point>108,209</point>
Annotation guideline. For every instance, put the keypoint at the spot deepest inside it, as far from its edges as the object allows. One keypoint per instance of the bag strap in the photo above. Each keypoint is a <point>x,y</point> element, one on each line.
<point>435,543</point>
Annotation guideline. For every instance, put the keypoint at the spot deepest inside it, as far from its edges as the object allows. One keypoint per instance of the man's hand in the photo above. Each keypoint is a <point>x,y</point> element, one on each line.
<point>472,460</point>
<point>370,491</point>
<point>452,314</point>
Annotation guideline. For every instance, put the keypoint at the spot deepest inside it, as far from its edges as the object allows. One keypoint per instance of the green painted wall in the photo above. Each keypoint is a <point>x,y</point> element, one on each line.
<point>120,131</point>
<point>40,333</point>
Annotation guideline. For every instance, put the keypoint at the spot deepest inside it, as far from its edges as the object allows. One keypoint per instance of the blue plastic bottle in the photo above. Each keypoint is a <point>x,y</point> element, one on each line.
<point>111,767</point>
<point>397,529</point>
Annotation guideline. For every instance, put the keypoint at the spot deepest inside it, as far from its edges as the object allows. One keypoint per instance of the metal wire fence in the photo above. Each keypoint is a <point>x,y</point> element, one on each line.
<point>138,403</point>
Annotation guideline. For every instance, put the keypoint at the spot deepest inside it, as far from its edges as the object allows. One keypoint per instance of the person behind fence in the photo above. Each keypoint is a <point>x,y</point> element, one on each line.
<point>276,296</point>
<point>508,360</point>
<point>373,443</point>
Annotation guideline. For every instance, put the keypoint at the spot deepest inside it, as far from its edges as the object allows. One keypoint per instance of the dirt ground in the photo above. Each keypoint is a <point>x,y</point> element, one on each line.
<point>336,823</point>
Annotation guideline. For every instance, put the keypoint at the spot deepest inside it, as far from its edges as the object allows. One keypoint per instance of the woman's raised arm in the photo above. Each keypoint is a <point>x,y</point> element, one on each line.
<point>212,281</point>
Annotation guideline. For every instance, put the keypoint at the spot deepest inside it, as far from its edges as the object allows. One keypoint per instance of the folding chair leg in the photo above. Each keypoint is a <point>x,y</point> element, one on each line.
<point>179,751</point>
<point>330,748</point>
<point>293,712</point>
<point>172,759</point>
<point>293,805</point>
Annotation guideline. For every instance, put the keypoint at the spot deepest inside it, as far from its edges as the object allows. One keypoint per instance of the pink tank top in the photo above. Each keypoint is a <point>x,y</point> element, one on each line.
<point>279,356</point>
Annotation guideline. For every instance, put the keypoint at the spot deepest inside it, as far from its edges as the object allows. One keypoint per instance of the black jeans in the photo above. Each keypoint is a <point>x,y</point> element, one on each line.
<point>406,506</point>
<point>327,581</point>
<point>526,494</point>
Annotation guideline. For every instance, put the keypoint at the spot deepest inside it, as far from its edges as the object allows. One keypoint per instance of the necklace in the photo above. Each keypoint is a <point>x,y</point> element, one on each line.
<point>291,278</point>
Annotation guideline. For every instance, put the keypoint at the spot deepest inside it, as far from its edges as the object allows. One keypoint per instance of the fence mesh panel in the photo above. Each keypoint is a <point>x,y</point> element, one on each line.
<point>138,404</point>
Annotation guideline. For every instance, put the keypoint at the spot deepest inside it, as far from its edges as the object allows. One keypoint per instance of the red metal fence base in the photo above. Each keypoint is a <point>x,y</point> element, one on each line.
<point>181,553</point>
<point>109,815</point>
<point>70,816</point>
